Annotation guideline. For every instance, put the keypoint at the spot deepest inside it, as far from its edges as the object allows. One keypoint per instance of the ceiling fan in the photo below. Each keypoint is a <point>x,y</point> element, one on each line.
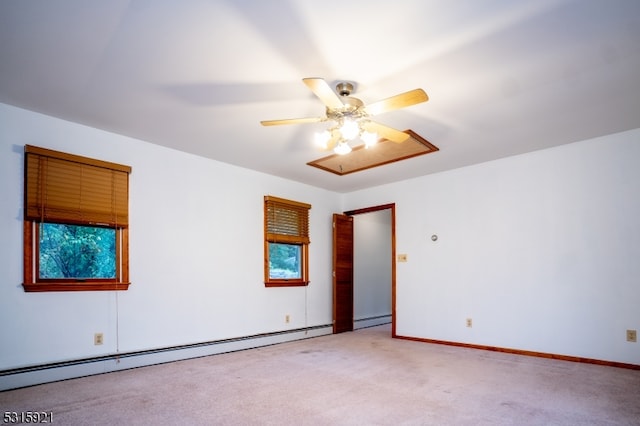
<point>352,116</point>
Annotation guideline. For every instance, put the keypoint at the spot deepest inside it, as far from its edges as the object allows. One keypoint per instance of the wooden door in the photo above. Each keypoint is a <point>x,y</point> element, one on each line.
<point>342,273</point>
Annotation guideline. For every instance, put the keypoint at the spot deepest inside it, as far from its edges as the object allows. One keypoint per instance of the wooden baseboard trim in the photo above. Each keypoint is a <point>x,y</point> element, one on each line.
<point>524,352</point>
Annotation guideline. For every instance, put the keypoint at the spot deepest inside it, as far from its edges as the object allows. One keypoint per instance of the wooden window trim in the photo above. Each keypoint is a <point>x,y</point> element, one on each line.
<point>31,281</point>
<point>302,240</point>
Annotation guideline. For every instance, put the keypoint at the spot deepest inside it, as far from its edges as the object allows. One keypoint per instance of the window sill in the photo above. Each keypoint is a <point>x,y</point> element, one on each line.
<point>286,284</point>
<point>74,286</point>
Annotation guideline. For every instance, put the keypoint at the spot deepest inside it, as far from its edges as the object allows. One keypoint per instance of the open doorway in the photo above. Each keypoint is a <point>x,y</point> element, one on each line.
<point>364,268</point>
<point>372,269</point>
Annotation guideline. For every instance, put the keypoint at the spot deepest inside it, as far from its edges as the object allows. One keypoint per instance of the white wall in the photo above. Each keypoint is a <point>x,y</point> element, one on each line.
<point>541,250</point>
<point>372,265</point>
<point>196,264</point>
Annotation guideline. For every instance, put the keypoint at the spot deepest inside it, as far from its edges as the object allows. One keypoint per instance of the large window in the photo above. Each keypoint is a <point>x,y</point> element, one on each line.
<point>76,223</point>
<point>286,242</point>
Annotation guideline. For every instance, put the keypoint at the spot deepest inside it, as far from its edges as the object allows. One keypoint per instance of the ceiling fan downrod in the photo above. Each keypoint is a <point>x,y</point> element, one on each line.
<point>344,88</point>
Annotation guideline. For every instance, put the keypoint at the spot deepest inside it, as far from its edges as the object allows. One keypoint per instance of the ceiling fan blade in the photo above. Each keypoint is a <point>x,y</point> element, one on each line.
<point>402,100</point>
<point>323,91</point>
<point>386,132</point>
<point>291,121</point>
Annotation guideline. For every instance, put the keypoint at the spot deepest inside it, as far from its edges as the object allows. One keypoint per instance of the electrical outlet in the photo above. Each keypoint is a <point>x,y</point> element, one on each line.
<point>469,322</point>
<point>402,258</point>
<point>98,339</point>
<point>287,318</point>
<point>632,336</point>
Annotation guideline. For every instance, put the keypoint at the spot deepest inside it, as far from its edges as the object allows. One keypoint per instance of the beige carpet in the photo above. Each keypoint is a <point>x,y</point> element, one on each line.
<point>358,378</point>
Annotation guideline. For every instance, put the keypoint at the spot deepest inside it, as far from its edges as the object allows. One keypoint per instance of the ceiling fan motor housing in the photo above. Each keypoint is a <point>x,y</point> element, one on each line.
<point>352,109</point>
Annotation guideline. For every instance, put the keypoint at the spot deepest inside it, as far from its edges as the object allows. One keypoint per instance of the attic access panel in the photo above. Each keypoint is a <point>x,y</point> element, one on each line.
<point>384,152</point>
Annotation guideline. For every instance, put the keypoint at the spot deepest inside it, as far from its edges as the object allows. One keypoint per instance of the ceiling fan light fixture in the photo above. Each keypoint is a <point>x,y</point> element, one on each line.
<point>349,129</point>
<point>322,139</point>
<point>342,148</point>
<point>369,138</point>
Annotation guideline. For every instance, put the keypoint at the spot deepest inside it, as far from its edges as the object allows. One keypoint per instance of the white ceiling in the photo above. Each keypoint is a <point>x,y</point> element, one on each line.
<point>504,77</point>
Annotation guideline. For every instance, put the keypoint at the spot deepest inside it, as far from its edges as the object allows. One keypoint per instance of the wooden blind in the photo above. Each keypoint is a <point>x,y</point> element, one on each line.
<point>67,188</point>
<point>286,221</point>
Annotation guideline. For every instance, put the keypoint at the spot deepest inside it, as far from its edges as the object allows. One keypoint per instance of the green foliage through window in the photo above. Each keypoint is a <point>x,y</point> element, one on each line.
<point>284,260</point>
<point>79,252</point>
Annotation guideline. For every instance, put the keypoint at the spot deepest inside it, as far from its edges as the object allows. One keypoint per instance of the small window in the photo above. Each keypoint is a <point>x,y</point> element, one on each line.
<point>286,242</point>
<point>76,223</point>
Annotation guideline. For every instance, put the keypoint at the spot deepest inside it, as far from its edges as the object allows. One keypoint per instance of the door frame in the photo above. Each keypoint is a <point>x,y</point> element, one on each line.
<point>392,207</point>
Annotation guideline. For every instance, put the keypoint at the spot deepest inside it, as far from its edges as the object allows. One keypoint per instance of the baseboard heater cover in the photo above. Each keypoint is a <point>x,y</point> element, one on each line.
<point>53,372</point>
<point>371,321</point>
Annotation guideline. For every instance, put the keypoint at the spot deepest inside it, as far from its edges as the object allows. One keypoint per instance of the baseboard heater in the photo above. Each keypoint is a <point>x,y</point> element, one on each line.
<point>371,321</point>
<point>52,372</point>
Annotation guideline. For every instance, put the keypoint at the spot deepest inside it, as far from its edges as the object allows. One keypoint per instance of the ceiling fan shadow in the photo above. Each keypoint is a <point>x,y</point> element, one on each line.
<point>300,52</point>
<point>213,94</point>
